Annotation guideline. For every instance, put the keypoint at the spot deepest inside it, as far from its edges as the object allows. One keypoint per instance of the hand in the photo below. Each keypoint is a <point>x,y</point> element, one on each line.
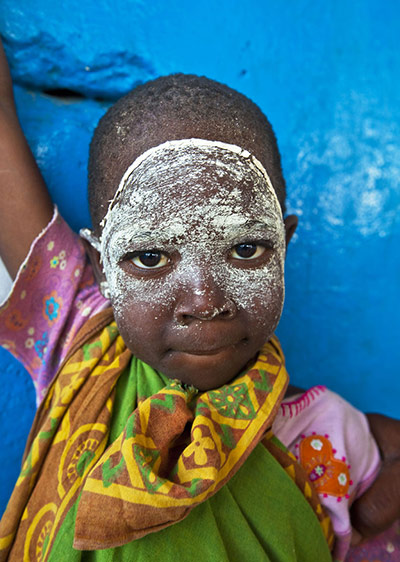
<point>379,507</point>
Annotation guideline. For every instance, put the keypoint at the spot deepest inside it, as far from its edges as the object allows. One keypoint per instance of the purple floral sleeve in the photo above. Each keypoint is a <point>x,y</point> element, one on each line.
<point>53,295</point>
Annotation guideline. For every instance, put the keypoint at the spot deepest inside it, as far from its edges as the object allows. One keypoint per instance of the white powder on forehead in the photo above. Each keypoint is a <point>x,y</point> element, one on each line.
<point>200,228</point>
<point>192,148</point>
<point>197,163</point>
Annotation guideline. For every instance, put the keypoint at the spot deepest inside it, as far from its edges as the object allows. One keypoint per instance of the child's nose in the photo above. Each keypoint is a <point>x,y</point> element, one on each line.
<point>204,300</point>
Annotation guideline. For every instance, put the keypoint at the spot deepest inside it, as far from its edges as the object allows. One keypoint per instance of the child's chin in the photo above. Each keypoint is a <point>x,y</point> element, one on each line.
<point>205,371</point>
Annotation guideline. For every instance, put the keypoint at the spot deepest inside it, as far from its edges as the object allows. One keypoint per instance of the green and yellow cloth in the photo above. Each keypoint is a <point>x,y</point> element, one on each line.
<point>123,463</point>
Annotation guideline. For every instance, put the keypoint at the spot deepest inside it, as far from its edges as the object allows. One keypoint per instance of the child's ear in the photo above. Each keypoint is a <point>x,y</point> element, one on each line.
<point>291,222</point>
<point>94,256</point>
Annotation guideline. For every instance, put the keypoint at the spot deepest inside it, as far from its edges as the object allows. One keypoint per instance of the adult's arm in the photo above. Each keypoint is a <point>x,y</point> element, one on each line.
<point>25,205</point>
<point>378,508</point>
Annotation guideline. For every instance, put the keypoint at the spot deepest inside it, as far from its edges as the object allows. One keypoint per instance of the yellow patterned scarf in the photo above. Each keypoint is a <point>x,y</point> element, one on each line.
<point>177,449</point>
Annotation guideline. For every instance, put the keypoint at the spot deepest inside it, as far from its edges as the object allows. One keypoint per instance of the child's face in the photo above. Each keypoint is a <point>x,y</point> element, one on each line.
<point>193,252</point>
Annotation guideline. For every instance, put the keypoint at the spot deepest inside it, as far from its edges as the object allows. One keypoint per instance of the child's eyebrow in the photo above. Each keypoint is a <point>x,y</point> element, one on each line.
<point>251,226</point>
<point>254,223</point>
<point>231,229</point>
<point>132,236</point>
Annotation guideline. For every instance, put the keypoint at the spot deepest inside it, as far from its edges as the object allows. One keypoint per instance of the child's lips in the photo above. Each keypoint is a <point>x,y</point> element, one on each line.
<point>207,348</point>
<point>207,342</point>
<point>212,351</point>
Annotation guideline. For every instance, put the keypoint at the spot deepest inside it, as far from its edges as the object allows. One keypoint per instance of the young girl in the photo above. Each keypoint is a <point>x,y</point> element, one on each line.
<point>160,380</point>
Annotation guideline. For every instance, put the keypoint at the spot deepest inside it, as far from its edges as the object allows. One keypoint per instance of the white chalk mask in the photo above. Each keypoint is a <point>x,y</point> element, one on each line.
<point>198,198</point>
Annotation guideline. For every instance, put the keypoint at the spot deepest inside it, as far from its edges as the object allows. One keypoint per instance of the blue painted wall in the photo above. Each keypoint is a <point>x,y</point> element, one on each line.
<point>326,74</point>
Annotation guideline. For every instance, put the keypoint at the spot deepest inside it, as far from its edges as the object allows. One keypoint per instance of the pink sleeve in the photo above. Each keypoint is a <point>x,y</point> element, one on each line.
<point>332,441</point>
<point>53,295</point>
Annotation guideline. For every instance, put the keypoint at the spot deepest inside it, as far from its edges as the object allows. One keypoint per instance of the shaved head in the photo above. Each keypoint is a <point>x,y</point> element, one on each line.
<point>172,108</point>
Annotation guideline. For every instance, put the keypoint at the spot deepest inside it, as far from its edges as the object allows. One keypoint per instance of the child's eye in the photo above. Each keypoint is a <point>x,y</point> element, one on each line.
<point>151,259</point>
<point>247,251</point>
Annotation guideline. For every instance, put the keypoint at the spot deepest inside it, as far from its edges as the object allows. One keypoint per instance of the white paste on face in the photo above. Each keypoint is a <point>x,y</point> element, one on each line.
<point>196,199</point>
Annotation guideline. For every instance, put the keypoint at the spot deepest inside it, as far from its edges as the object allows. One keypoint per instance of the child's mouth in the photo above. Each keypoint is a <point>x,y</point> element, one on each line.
<point>204,365</point>
<point>213,351</point>
<point>207,348</point>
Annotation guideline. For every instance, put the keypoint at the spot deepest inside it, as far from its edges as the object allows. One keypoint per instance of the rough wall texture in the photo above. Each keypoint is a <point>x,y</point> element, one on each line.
<point>326,74</point>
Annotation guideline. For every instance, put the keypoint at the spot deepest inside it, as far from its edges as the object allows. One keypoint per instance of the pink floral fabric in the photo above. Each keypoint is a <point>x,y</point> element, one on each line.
<point>53,295</point>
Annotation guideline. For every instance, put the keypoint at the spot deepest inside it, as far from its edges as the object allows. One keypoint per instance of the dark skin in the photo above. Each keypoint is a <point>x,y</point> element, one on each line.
<point>196,323</point>
<point>29,210</point>
<point>376,510</point>
<point>232,333</point>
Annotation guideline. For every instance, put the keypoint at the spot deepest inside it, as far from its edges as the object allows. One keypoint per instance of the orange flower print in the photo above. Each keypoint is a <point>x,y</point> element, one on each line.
<point>15,321</point>
<point>35,263</point>
<point>51,307</point>
<point>329,474</point>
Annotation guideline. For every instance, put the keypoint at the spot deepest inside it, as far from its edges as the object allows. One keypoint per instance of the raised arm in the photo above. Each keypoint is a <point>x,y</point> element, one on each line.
<point>25,205</point>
